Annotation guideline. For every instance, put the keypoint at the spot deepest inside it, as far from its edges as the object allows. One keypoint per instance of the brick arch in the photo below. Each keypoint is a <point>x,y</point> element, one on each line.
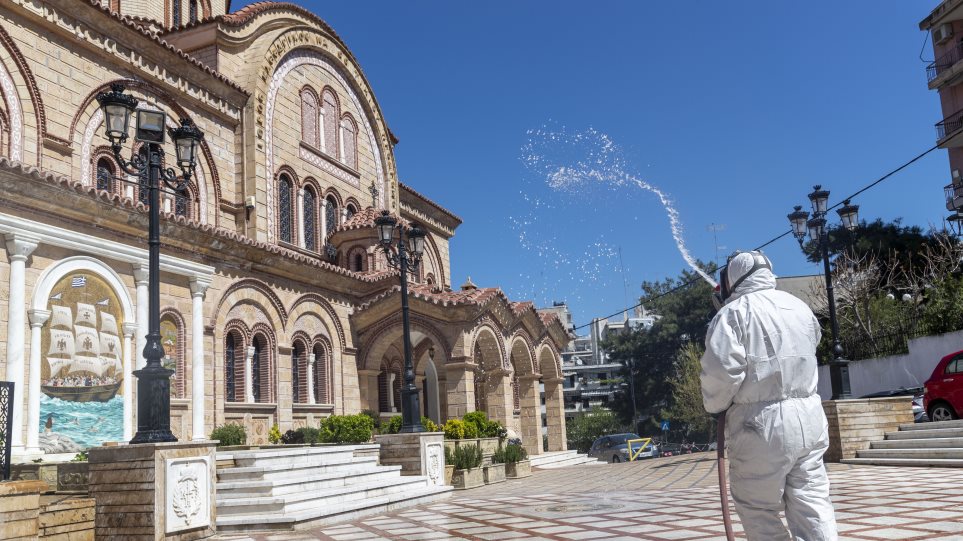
<point>549,359</point>
<point>436,259</point>
<point>36,100</point>
<point>241,330</point>
<point>328,377</point>
<point>487,337</point>
<point>269,370</point>
<point>521,353</point>
<point>104,152</point>
<point>301,305</point>
<point>263,293</point>
<point>180,376</point>
<point>389,331</point>
<point>286,170</point>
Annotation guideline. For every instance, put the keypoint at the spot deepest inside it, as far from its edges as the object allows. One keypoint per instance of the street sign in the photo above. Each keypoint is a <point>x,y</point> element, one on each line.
<point>665,426</point>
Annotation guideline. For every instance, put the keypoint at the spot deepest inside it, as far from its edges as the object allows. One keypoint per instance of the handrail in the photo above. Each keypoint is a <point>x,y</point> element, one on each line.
<point>949,125</point>
<point>944,62</point>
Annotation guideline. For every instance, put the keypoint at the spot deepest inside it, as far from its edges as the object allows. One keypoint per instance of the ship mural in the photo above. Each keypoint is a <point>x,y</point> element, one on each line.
<point>82,381</point>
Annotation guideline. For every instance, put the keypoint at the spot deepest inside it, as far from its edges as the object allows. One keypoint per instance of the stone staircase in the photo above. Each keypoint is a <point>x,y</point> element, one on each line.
<point>561,459</point>
<point>922,444</point>
<point>281,489</point>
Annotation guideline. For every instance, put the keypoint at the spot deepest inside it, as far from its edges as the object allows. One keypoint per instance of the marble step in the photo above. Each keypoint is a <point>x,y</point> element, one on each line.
<point>926,433</point>
<point>923,443</point>
<point>295,470</point>
<point>577,460</point>
<point>554,456</point>
<point>954,453</point>
<point>309,482</point>
<point>330,514</point>
<point>917,462</point>
<point>302,501</point>
<point>298,455</point>
<point>929,426</point>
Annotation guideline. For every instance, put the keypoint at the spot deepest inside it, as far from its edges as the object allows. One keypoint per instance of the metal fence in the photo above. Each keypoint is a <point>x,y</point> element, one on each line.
<point>6,427</point>
<point>892,342</point>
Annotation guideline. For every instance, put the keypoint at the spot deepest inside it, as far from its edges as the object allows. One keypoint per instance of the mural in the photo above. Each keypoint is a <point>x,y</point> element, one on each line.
<point>82,374</point>
<point>171,342</point>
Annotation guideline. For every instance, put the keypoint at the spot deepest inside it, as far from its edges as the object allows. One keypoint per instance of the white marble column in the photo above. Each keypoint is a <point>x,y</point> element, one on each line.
<point>198,289</point>
<point>141,275</point>
<point>37,320</point>
<point>325,209</point>
<point>310,376</point>
<point>129,330</point>
<point>300,220</point>
<point>248,377</point>
<point>19,248</point>
<point>391,391</point>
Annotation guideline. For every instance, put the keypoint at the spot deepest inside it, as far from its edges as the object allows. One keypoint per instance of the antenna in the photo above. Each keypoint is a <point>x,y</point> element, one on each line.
<point>715,228</point>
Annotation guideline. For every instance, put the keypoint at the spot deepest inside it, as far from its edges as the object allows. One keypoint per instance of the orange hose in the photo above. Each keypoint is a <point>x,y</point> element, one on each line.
<point>723,484</point>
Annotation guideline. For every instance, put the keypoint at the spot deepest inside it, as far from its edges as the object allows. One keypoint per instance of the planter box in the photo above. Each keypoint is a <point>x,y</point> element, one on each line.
<point>468,478</point>
<point>59,476</point>
<point>494,473</point>
<point>488,445</point>
<point>449,473</point>
<point>518,469</point>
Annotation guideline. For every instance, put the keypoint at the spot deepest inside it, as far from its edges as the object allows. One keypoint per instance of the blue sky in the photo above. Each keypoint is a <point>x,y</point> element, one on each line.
<point>735,109</point>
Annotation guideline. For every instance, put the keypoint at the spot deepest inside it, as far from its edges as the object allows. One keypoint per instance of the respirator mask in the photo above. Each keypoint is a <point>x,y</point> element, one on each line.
<point>724,290</point>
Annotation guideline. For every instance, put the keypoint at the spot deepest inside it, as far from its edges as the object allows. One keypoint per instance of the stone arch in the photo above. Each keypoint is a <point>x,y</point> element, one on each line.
<point>179,385</point>
<point>234,379</point>
<point>389,331</point>
<point>437,261</point>
<point>521,353</point>
<point>265,386</point>
<point>16,119</point>
<point>549,360</point>
<point>207,178</point>
<point>489,341</point>
<point>329,317</point>
<point>256,292</point>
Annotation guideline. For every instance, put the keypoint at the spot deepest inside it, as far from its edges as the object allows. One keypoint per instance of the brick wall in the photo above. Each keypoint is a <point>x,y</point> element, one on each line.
<point>853,424</point>
<point>70,519</point>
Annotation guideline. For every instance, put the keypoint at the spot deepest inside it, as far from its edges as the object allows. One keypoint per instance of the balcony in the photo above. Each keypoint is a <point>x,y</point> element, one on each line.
<point>942,65</point>
<point>954,196</point>
<point>948,130</point>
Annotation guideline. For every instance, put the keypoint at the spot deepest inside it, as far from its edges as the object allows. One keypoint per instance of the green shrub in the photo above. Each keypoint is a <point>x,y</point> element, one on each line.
<point>302,435</point>
<point>429,425</point>
<point>467,457</point>
<point>375,418</point>
<point>454,429</point>
<point>274,435</point>
<point>229,434</point>
<point>346,429</point>
<point>393,425</point>
<point>449,456</point>
<point>471,431</point>
<point>80,457</point>
<point>513,453</point>
<point>499,456</point>
<point>477,418</point>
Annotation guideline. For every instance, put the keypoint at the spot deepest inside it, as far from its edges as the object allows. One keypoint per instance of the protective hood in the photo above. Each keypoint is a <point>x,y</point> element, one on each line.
<point>757,281</point>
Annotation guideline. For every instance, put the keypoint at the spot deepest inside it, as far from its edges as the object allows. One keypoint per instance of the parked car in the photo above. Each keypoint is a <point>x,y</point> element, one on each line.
<point>670,449</point>
<point>615,448</point>
<point>919,412</point>
<point>943,392</point>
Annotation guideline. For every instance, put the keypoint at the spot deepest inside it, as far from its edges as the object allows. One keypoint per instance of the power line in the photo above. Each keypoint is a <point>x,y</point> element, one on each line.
<point>772,240</point>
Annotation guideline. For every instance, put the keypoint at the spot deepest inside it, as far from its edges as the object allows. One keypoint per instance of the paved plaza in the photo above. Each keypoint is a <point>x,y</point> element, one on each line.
<point>661,499</point>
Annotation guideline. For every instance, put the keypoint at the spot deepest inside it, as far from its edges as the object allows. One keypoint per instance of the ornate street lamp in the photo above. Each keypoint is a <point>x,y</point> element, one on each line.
<point>816,228</point>
<point>406,259</point>
<point>153,381</point>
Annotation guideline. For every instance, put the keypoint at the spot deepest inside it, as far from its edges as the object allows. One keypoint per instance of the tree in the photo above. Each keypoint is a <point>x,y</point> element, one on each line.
<point>901,245</point>
<point>585,428</point>
<point>684,317</point>
<point>686,409</point>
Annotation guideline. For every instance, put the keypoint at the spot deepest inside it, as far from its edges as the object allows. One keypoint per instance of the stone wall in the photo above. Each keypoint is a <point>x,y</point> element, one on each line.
<point>67,519</point>
<point>853,424</point>
<point>20,509</point>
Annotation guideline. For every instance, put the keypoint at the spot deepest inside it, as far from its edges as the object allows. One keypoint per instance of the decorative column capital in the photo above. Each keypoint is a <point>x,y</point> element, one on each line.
<point>20,246</point>
<point>129,329</point>
<point>38,317</point>
<point>199,286</point>
<point>141,274</point>
<point>311,358</point>
<point>250,352</point>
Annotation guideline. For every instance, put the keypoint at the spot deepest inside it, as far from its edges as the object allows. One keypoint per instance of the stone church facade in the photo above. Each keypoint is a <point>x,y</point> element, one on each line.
<point>277,306</point>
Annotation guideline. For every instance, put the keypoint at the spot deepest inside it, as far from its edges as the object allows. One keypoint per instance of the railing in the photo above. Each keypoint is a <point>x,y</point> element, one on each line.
<point>952,192</point>
<point>944,62</point>
<point>894,342</point>
<point>949,125</point>
<point>6,427</point>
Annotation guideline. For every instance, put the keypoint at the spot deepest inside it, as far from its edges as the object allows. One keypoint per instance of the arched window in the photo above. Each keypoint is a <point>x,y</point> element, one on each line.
<point>349,142</point>
<point>172,340</point>
<point>298,358</point>
<point>233,361</point>
<point>331,214</point>
<point>310,116</point>
<point>321,387</point>
<point>259,365</point>
<point>176,14</point>
<point>384,399</point>
<point>349,211</point>
<point>192,11</point>
<point>182,203</point>
<point>389,388</point>
<point>285,207</point>
<point>357,262</point>
<point>105,175</point>
<point>310,219</point>
<point>329,122</point>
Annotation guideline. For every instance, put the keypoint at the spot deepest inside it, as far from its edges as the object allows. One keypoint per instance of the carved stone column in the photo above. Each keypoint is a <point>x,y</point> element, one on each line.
<point>19,248</point>
<point>141,276</point>
<point>37,320</point>
<point>198,396</point>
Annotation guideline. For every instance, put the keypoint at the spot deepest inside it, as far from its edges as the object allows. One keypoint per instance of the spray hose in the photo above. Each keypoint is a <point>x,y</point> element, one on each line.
<point>723,484</point>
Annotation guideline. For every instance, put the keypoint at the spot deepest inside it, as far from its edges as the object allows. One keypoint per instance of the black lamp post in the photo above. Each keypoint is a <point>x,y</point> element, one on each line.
<point>153,381</point>
<point>405,259</point>
<point>816,228</point>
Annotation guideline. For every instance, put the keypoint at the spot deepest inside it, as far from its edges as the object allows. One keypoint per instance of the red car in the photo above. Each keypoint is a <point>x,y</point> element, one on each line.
<point>943,392</point>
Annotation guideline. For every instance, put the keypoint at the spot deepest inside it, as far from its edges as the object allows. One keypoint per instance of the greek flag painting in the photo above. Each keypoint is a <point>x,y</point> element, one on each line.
<point>78,281</point>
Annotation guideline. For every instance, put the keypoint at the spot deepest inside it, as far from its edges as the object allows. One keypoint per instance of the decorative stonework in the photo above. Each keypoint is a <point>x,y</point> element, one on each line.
<point>435,463</point>
<point>319,161</point>
<point>294,59</point>
<point>188,494</point>
<point>9,91</point>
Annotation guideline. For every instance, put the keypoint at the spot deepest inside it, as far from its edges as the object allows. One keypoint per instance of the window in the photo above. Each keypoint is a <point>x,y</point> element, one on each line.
<point>329,122</point>
<point>952,367</point>
<point>310,220</point>
<point>231,347</point>
<point>285,214</point>
<point>331,214</point>
<point>176,14</point>
<point>182,203</point>
<point>298,359</point>
<point>105,175</point>
<point>384,400</point>
<point>349,211</point>
<point>357,264</point>
<point>321,394</point>
<point>309,117</point>
<point>172,341</point>
<point>192,11</point>
<point>260,380</point>
<point>349,142</point>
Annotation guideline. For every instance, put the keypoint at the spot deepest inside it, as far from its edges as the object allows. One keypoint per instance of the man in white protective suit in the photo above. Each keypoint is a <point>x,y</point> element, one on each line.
<point>760,369</point>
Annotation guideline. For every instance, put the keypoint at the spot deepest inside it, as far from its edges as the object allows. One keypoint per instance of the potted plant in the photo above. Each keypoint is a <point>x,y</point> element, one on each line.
<point>516,461</point>
<point>468,474</point>
<point>459,434</point>
<point>494,472</point>
<point>490,433</point>
<point>449,465</point>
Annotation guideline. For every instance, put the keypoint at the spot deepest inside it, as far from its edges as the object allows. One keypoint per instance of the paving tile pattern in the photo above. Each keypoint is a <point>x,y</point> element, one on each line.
<point>662,499</point>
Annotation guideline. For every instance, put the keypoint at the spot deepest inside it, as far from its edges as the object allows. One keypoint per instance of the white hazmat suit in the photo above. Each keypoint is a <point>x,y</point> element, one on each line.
<point>760,368</point>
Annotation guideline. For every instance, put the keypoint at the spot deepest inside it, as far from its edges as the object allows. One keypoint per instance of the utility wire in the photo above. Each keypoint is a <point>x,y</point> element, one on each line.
<point>770,241</point>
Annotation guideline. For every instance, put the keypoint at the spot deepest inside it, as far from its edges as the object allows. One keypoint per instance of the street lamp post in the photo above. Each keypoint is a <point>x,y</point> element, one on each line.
<point>816,228</point>
<point>406,259</point>
<point>153,381</point>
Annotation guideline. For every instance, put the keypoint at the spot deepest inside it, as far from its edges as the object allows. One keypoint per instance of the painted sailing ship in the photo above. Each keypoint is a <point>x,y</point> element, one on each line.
<point>85,364</point>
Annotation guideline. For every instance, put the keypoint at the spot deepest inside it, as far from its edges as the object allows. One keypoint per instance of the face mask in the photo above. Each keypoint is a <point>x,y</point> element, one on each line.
<point>724,290</point>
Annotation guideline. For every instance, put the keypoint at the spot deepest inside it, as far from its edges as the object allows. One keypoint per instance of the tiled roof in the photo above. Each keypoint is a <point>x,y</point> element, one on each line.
<point>135,25</point>
<point>366,219</point>
<point>477,297</point>
<point>126,202</point>
<point>429,201</point>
